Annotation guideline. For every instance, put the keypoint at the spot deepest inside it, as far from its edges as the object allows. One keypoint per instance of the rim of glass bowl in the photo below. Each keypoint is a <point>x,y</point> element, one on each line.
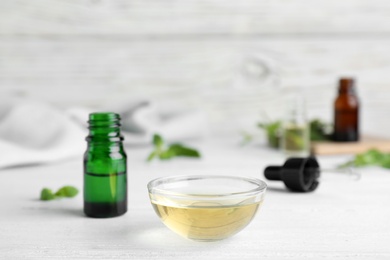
<point>261,186</point>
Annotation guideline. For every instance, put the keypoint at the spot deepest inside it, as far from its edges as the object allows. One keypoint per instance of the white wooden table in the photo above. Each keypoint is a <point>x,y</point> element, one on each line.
<point>342,220</point>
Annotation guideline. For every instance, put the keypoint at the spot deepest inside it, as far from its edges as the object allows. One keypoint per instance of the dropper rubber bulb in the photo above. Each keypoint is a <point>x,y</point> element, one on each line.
<point>298,174</point>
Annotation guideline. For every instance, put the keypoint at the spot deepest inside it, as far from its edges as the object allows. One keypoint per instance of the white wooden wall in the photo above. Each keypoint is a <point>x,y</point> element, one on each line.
<point>93,52</point>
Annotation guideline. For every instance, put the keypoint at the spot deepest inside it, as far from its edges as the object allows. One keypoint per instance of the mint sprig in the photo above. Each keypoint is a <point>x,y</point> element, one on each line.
<point>64,192</point>
<point>273,132</point>
<point>372,157</point>
<point>165,152</point>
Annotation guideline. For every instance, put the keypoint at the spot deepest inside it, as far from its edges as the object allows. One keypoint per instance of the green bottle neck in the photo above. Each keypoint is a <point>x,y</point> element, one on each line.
<point>104,129</point>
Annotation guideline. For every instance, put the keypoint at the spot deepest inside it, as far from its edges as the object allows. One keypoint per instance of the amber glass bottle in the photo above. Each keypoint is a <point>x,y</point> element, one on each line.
<point>346,112</point>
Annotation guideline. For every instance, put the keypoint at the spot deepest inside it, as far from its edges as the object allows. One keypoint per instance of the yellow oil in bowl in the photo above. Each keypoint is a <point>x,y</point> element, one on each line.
<point>192,208</point>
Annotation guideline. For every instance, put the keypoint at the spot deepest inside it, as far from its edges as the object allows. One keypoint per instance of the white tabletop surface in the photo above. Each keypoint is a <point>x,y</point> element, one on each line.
<point>341,220</point>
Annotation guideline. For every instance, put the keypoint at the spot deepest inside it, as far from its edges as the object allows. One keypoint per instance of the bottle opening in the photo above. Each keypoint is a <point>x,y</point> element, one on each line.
<point>104,119</point>
<point>104,127</point>
<point>104,116</point>
<point>346,86</point>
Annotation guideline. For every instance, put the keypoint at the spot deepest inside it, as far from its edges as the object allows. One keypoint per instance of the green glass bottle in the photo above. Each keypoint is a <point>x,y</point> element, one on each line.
<point>105,174</point>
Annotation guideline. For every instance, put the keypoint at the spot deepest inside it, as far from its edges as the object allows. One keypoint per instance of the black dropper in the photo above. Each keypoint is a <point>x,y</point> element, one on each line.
<point>298,174</point>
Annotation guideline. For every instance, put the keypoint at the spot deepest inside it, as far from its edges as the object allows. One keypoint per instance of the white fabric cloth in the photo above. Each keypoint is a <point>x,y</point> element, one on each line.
<point>33,132</point>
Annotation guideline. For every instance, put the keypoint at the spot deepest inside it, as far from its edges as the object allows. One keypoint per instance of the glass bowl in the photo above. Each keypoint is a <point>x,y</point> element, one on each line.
<point>206,207</point>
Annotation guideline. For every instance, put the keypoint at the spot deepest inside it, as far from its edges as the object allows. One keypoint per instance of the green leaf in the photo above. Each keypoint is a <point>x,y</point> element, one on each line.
<point>67,192</point>
<point>47,194</point>
<point>181,150</point>
<point>151,156</point>
<point>372,157</point>
<point>320,131</point>
<point>165,153</point>
<point>158,141</point>
<point>64,192</point>
<point>273,131</point>
<point>386,162</point>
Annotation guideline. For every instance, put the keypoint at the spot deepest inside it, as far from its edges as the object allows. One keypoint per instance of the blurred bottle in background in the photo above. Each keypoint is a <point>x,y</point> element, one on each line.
<point>346,112</point>
<point>295,128</point>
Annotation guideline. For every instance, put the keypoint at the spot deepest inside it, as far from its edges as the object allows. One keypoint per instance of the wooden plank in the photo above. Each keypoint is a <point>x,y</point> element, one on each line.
<point>211,18</point>
<point>38,67</point>
<point>340,220</point>
<point>200,74</point>
<point>367,143</point>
